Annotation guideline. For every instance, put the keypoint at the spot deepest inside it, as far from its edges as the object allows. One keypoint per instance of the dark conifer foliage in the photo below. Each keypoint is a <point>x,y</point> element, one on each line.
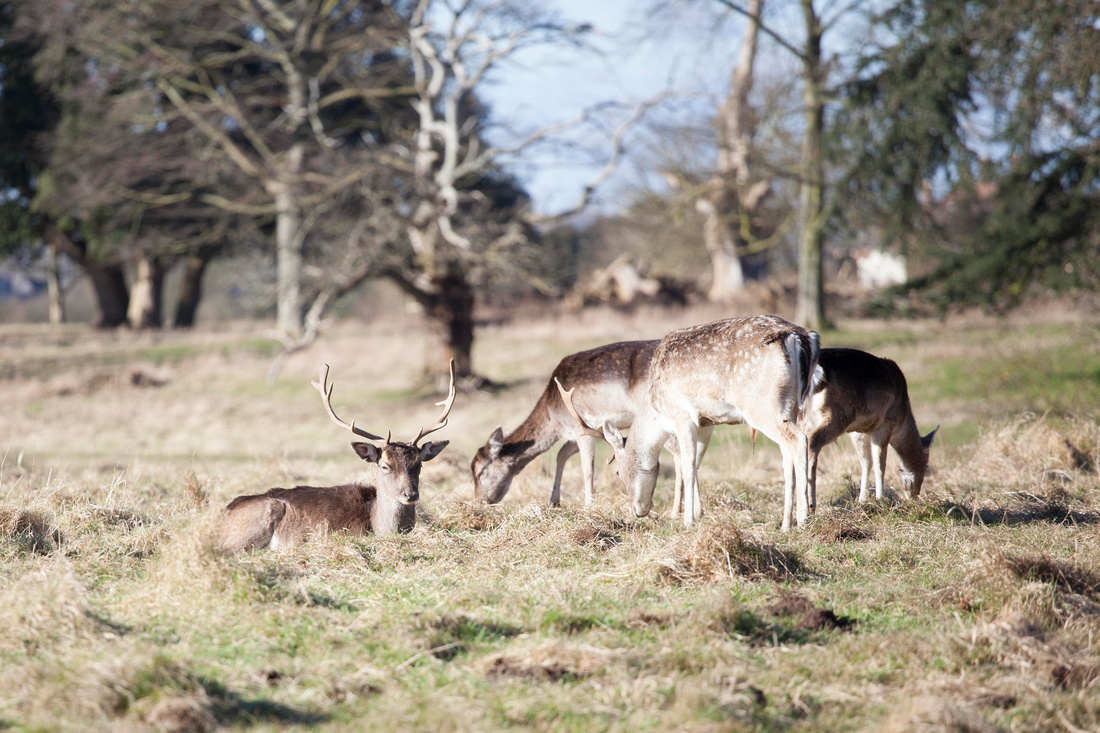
<point>978,123</point>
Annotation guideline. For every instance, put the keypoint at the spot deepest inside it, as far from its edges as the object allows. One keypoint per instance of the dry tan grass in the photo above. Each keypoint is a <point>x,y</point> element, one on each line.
<point>930,713</point>
<point>547,661</point>
<point>1027,450</point>
<point>719,551</point>
<point>975,606</point>
<point>28,528</point>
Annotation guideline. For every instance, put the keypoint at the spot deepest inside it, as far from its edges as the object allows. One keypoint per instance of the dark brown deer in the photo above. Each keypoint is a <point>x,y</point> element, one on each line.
<point>609,381</point>
<point>868,397</point>
<point>283,517</point>
<point>758,370</point>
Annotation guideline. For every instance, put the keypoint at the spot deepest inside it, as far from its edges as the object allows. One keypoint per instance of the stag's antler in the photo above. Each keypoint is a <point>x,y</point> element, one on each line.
<point>447,405</point>
<point>326,395</point>
<point>567,398</point>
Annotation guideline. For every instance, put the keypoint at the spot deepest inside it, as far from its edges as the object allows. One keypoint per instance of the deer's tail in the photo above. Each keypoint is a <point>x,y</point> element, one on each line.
<point>803,352</point>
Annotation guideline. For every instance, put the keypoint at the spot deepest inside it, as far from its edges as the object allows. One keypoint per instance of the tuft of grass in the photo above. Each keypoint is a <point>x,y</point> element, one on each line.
<point>1045,569</point>
<point>547,662</point>
<point>719,551</point>
<point>28,530</point>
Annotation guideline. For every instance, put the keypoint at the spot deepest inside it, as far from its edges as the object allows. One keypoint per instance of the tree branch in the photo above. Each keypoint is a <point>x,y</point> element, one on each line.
<point>766,29</point>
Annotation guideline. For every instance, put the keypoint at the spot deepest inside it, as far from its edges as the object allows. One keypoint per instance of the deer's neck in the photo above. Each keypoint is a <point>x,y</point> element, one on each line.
<point>532,438</point>
<point>647,437</point>
<point>389,516</point>
<point>906,444</point>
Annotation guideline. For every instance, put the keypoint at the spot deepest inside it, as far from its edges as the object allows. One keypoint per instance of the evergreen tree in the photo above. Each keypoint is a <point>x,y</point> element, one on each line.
<point>990,108</point>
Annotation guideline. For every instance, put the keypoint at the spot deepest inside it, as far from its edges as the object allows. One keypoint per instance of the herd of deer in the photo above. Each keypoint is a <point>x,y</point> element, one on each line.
<point>762,370</point>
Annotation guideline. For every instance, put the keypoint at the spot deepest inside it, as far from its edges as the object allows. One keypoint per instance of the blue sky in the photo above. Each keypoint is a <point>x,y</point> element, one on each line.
<point>635,62</point>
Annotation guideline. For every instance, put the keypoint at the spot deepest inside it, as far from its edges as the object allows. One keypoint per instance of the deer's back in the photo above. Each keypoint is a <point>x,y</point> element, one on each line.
<point>863,388</point>
<point>609,381</point>
<point>724,366</point>
<point>345,507</point>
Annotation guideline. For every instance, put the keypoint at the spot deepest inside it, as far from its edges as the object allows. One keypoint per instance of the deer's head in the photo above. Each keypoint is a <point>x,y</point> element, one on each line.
<point>492,471</point>
<point>399,466</point>
<point>911,476</point>
<point>399,463</point>
<point>639,477</point>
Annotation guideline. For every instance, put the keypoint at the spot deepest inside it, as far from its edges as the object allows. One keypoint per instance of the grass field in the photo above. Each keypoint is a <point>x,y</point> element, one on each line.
<point>976,608</point>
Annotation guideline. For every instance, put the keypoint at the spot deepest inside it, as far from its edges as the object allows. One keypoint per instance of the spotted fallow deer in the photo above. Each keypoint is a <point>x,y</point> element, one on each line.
<point>609,381</point>
<point>757,370</point>
<point>283,517</point>
<point>862,394</point>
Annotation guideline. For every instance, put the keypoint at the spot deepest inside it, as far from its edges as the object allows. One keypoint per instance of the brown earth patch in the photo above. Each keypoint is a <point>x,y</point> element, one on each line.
<point>806,616</point>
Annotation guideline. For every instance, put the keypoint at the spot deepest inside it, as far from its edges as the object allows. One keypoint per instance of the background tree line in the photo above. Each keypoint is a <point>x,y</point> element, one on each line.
<point>347,140</point>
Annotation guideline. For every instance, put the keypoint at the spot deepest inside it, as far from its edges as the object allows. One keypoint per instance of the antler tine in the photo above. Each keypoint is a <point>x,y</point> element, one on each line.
<point>567,398</point>
<point>326,396</point>
<point>447,405</point>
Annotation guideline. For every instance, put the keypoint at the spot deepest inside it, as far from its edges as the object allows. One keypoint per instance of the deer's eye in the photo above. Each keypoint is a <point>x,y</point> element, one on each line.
<point>385,469</point>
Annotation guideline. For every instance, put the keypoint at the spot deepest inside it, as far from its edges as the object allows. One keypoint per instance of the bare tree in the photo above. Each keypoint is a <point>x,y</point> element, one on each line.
<point>734,194</point>
<point>289,93</point>
<point>815,80</point>
<point>458,226</point>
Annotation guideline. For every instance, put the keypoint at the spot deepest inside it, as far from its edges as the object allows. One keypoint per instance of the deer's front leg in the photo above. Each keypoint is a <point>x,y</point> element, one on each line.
<point>587,446</point>
<point>702,442</point>
<point>678,481</point>
<point>878,455</point>
<point>862,443</point>
<point>568,450</point>
<point>812,481</point>
<point>689,466</point>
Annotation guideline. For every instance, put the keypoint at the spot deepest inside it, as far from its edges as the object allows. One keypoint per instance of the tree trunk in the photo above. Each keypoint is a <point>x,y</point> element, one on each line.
<point>109,283</point>
<point>452,310</point>
<point>449,307</point>
<point>730,193</point>
<point>53,286</point>
<point>146,294</point>
<point>289,241</point>
<point>811,294</point>
<point>727,276</point>
<point>108,280</point>
<point>191,287</point>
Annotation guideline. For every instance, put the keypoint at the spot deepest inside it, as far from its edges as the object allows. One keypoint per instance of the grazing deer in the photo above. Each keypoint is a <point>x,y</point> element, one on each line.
<point>758,370</point>
<point>610,381</point>
<point>283,517</point>
<point>866,396</point>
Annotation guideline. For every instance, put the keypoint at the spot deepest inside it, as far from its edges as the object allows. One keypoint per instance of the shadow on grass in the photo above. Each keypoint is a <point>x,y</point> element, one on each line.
<point>229,707</point>
<point>791,619</point>
<point>450,634</point>
<point>181,709</point>
<point>1025,509</point>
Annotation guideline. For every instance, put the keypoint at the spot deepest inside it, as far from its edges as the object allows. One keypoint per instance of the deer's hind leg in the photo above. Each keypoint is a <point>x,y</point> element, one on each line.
<point>568,450</point>
<point>586,444</point>
<point>862,442</point>
<point>794,445</point>
<point>252,523</point>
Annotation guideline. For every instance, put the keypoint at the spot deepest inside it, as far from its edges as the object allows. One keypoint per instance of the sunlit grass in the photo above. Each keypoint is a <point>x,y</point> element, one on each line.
<point>117,610</point>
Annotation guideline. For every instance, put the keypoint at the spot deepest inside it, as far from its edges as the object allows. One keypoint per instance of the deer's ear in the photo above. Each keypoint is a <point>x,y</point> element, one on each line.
<point>496,442</point>
<point>369,452</point>
<point>926,440</point>
<point>428,451</point>
<point>612,435</point>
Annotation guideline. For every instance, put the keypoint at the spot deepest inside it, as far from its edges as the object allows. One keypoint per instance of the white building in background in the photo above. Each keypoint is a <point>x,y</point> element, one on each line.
<point>878,269</point>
